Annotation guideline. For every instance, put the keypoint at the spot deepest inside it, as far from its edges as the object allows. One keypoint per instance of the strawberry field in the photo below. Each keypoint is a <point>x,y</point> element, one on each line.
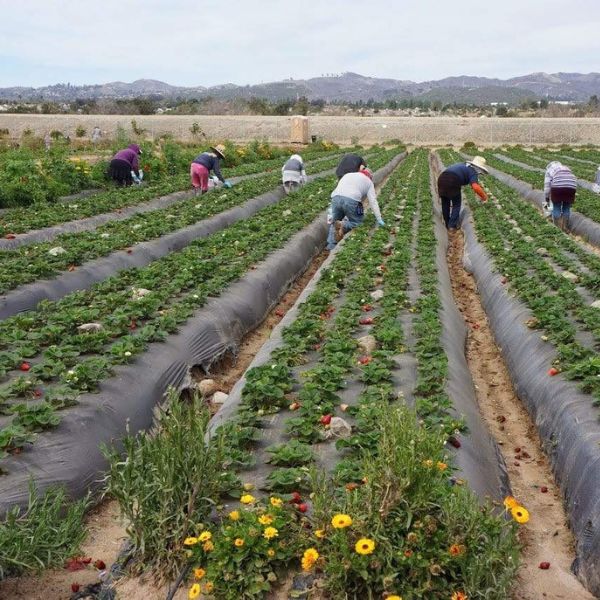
<point>353,455</point>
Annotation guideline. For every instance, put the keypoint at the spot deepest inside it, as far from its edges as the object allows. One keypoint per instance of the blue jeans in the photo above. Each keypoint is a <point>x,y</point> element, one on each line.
<point>451,210</point>
<point>561,209</point>
<point>344,207</point>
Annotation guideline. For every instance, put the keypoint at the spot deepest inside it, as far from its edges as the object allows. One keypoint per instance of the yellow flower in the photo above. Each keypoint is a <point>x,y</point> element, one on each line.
<point>520,514</point>
<point>340,521</point>
<point>239,542</point>
<point>234,515</point>
<point>247,499</point>
<point>442,466</point>
<point>208,546</point>
<point>320,533</point>
<point>271,552</point>
<point>270,533</point>
<point>276,502</point>
<point>194,591</point>
<point>394,597</point>
<point>510,502</point>
<point>199,573</point>
<point>364,546</point>
<point>459,596</point>
<point>205,536</point>
<point>309,558</point>
<point>209,586</point>
<point>265,519</point>
<point>428,463</point>
<point>190,541</point>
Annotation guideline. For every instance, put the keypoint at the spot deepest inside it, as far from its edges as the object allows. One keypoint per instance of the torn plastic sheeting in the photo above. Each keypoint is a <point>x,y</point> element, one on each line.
<point>564,417</point>
<point>84,276</point>
<point>121,214</point>
<point>479,459</point>
<point>70,453</point>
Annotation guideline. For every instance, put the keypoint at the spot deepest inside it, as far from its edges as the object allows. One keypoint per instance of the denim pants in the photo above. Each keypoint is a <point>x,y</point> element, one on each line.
<point>451,210</point>
<point>344,207</point>
<point>561,209</point>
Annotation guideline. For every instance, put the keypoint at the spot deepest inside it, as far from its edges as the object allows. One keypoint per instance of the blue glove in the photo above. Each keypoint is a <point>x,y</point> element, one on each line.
<point>227,184</point>
<point>381,223</point>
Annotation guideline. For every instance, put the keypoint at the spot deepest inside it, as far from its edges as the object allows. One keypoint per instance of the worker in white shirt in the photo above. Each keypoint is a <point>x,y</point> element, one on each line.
<point>346,202</point>
<point>293,173</point>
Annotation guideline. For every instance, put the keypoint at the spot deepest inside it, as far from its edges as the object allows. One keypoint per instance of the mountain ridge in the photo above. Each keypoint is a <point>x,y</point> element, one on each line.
<point>346,87</point>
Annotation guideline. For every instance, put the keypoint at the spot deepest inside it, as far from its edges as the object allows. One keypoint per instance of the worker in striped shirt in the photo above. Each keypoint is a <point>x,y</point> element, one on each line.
<point>560,186</point>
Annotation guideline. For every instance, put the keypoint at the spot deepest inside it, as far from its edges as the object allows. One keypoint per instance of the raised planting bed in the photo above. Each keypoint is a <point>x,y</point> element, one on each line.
<point>16,221</point>
<point>132,243</point>
<point>304,425</point>
<point>52,367</point>
<point>537,286</point>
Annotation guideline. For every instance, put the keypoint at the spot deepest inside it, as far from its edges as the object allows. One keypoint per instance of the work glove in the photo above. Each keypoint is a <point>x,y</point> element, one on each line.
<point>227,184</point>
<point>381,223</point>
<point>135,178</point>
<point>140,175</point>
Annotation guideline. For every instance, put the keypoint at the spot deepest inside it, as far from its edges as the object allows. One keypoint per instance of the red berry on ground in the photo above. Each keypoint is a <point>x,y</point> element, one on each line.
<point>544,565</point>
<point>296,497</point>
<point>325,419</point>
<point>302,507</point>
<point>544,489</point>
<point>25,366</point>
<point>552,372</point>
<point>100,564</point>
<point>75,587</point>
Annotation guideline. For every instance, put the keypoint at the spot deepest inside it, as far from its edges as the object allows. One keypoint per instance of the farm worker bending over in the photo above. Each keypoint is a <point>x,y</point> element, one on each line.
<point>350,163</point>
<point>346,201</point>
<point>203,164</point>
<point>450,183</point>
<point>560,186</point>
<point>124,168</point>
<point>293,173</point>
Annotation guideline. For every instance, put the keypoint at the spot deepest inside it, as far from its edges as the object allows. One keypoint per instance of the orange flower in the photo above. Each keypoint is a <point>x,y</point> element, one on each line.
<point>309,558</point>
<point>456,549</point>
<point>510,502</point>
<point>459,596</point>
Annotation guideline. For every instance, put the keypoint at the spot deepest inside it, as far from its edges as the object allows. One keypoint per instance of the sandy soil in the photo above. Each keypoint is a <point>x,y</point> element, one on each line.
<point>546,537</point>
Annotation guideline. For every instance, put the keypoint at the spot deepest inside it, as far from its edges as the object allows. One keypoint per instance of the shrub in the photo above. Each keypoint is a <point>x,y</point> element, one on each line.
<point>48,532</point>
<point>80,131</point>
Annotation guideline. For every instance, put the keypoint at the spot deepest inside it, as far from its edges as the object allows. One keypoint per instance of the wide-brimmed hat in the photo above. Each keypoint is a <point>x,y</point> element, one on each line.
<point>479,163</point>
<point>219,149</point>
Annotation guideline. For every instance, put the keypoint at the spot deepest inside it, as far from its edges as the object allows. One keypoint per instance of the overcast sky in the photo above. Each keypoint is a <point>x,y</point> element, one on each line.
<point>208,42</point>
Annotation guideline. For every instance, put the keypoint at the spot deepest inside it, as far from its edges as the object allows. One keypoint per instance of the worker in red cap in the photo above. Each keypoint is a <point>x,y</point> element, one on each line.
<point>347,210</point>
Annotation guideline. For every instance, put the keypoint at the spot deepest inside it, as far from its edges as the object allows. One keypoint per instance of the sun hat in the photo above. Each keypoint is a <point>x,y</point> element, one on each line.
<point>219,149</point>
<point>479,163</point>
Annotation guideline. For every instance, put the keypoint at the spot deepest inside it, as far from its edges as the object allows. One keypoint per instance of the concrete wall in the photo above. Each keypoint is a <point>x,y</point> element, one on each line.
<point>369,130</point>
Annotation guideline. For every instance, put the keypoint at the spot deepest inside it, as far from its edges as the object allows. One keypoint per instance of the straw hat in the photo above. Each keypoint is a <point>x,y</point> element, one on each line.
<point>479,163</point>
<point>219,149</point>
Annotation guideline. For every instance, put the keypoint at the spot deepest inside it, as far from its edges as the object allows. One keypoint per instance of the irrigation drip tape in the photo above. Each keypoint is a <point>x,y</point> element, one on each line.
<point>28,296</point>
<point>71,455</point>
<point>565,418</point>
<point>479,458</point>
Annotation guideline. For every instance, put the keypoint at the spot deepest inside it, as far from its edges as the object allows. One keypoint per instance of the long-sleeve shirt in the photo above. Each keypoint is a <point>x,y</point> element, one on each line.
<point>558,176</point>
<point>128,155</point>
<point>356,186</point>
<point>293,170</point>
<point>466,174</point>
<point>350,163</point>
<point>211,162</point>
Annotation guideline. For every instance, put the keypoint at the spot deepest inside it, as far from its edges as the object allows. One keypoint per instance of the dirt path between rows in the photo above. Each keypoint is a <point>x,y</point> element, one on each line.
<point>105,530</point>
<point>546,537</point>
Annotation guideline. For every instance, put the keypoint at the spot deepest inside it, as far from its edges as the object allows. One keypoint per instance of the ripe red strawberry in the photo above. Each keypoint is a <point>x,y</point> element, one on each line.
<point>294,406</point>
<point>129,250</point>
<point>325,419</point>
<point>544,565</point>
<point>132,325</point>
<point>365,360</point>
<point>38,393</point>
<point>303,507</point>
<point>454,442</point>
<point>99,564</point>
<point>366,308</point>
<point>10,236</point>
<point>544,489</point>
<point>366,321</point>
<point>296,497</point>
<point>552,372</point>
<point>75,587</point>
<point>25,366</point>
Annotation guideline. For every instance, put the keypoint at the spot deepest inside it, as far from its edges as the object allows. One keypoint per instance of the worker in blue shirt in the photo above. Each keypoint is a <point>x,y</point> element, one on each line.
<point>450,183</point>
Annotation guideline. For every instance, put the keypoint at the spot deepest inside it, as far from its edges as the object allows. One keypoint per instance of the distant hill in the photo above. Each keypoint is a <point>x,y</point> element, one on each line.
<point>348,87</point>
